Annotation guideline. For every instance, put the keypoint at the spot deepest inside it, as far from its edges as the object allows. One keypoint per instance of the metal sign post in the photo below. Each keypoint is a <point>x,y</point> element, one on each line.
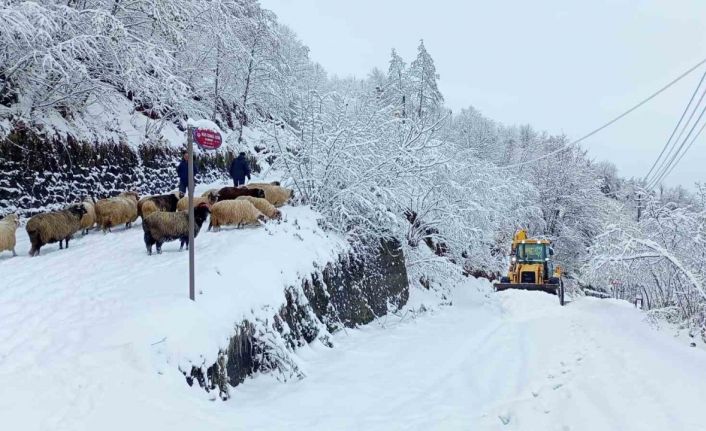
<point>207,140</point>
<point>190,143</point>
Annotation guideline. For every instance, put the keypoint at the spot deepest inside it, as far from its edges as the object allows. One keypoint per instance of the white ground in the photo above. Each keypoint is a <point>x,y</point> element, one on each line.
<point>521,363</point>
<point>91,338</point>
<point>100,320</point>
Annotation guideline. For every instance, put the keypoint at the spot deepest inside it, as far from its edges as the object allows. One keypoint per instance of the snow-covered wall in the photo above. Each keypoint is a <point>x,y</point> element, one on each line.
<point>347,293</point>
<point>37,173</point>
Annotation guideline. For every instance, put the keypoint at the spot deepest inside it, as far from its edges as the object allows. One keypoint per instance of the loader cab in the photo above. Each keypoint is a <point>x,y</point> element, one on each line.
<point>532,261</point>
<point>535,252</point>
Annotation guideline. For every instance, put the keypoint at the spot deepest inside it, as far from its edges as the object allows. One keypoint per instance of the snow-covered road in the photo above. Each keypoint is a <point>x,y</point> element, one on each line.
<point>92,338</point>
<point>522,363</point>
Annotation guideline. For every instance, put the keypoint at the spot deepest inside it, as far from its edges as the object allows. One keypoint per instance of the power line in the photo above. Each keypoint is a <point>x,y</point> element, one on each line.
<point>701,129</point>
<point>663,164</point>
<point>686,109</point>
<point>670,163</point>
<point>588,135</point>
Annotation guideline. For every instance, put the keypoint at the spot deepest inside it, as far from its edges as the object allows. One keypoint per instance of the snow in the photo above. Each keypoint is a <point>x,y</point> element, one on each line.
<point>115,119</point>
<point>86,317</point>
<point>514,361</point>
<point>203,124</point>
<point>93,338</point>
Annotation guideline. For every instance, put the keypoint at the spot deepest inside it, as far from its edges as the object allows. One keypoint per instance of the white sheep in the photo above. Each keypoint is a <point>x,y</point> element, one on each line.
<point>271,183</point>
<point>210,198</point>
<point>8,226</point>
<point>89,219</point>
<point>53,226</point>
<point>115,211</point>
<point>234,212</point>
<point>263,206</point>
<point>276,195</point>
<point>208,192</point>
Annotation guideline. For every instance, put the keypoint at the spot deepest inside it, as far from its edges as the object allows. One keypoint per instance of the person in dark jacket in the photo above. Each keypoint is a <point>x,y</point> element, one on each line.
<point>183,172</point>
<point>239,169</point>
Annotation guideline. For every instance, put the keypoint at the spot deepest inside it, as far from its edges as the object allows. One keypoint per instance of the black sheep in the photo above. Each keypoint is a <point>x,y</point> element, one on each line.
<point>228,193</point>
<point>161,227</point>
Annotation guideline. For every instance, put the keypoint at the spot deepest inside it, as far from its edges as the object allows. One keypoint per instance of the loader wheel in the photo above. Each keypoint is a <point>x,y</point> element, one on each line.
<point>559,283</point>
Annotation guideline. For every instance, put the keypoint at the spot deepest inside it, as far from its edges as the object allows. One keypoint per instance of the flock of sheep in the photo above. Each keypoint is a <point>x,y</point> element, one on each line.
<point>164,217</point>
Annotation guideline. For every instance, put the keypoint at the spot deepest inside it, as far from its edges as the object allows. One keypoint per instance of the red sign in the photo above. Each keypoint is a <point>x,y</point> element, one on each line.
<point>207,139</point>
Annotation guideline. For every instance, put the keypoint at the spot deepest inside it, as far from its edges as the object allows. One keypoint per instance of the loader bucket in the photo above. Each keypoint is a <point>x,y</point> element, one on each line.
<point>549,288</point>
<point>554,289</point>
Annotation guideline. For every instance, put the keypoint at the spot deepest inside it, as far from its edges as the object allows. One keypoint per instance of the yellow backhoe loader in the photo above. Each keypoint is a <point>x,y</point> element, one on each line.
<point>531,267</point>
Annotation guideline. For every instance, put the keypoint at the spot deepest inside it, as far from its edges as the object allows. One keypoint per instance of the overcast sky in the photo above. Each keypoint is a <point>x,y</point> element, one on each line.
<point>559,65</point>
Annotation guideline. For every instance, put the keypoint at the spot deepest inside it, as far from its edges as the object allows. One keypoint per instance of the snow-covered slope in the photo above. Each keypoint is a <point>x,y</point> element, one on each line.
<point>78,322</point>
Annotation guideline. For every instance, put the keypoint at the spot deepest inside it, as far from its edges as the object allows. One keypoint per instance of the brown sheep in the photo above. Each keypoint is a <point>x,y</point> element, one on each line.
<point>276,195</point>
<point>263,206</point>
<point>149,207</point>
<point>228,193</point>
<point>8,226</point>
<point>54,226</point>
<point>161,227</point>
<point>140,203</point>
<point>115,211</point>
<point>210,199</point>
<point>167,203</point>
<point>234,212</point>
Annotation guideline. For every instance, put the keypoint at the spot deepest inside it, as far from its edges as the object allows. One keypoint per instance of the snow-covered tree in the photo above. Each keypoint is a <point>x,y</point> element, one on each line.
<point>396,88</point>
<point>378,157</point>
<point>423,79</point>
<point>57,60</point>
<point>661,257</point>
<point>477,133</point>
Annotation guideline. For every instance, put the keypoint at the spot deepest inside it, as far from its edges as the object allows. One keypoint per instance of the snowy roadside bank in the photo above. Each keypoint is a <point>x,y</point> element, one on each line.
<point>102,319</point>
<point>508,361</point>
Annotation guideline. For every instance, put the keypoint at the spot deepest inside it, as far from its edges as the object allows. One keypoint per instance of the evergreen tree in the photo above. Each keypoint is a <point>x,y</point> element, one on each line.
<point>396,86</point>
<point>423,78</point>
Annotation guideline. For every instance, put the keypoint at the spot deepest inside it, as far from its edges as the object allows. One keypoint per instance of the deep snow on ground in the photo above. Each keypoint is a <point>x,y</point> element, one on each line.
<point>516,361</point>
<point>93,338</point>
<point>102,319</point>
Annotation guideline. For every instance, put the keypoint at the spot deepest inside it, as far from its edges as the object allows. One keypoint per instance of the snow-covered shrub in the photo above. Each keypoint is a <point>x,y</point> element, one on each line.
<point>659,258</point>
<point>375,174</point>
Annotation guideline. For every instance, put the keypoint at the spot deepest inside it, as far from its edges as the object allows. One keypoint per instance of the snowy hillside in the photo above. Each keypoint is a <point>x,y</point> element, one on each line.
<point>103,312</point>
